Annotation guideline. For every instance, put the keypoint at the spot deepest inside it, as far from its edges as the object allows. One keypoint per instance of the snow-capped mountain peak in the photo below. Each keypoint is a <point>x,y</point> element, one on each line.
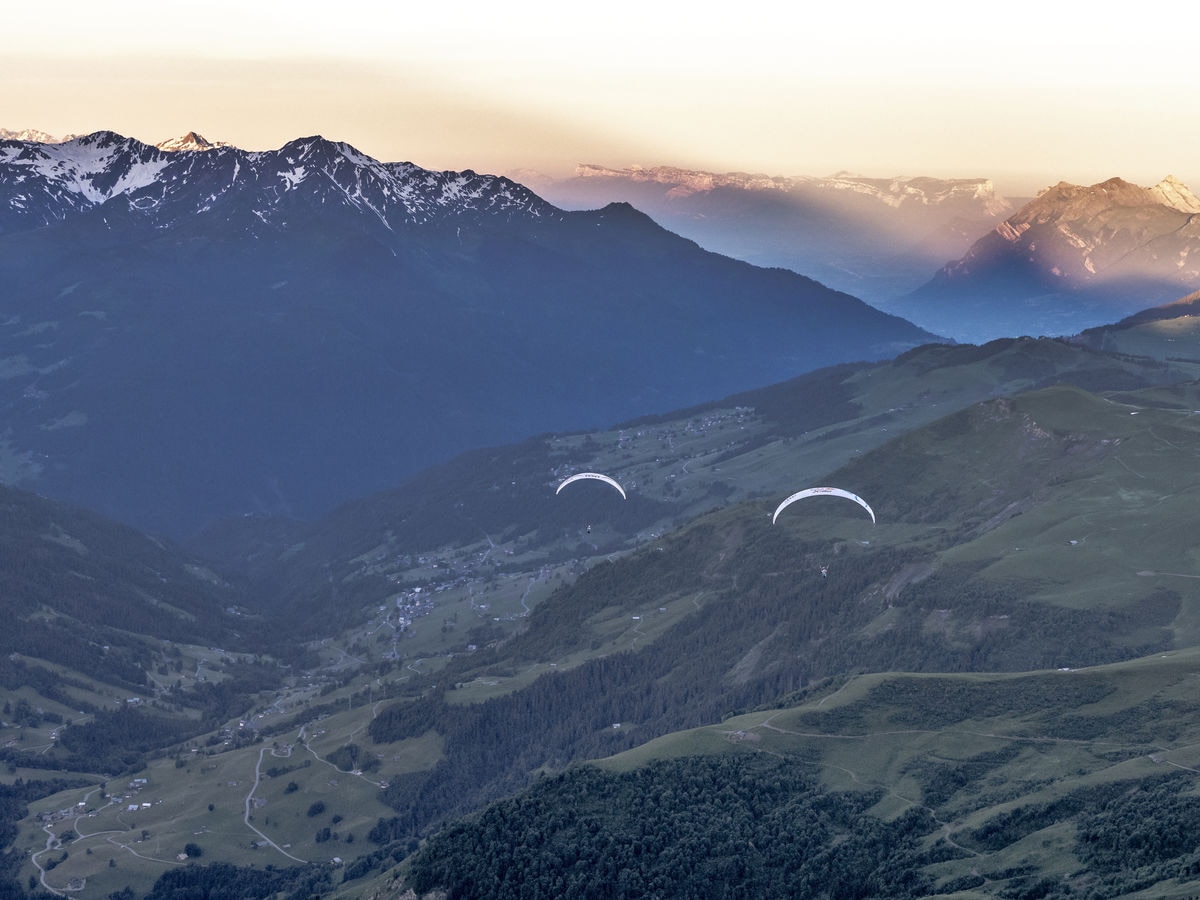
<point>894,192</point>
<point>42,183</point>
<point>33,135</point>
<point>1174,193</point>
<point>83,171</point>
<point>1125,243</point>
<point>189,143</point>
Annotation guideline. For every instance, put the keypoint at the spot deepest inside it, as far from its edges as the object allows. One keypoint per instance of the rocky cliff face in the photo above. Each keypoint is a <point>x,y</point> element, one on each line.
<point>1090,234</point>
<point>892,192</point>
<point>1075,257</point>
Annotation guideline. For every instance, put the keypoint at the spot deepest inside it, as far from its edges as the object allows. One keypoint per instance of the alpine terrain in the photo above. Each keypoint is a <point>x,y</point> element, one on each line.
<point>949,254</point>
<point>372,532</point>
<point>207,331</point>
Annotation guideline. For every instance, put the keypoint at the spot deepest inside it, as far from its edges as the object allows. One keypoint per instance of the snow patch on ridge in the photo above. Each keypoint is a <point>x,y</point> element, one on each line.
<point>77,164</point>
<point>191,175</point>
<point>293,177</point>
<point>1174,193</point>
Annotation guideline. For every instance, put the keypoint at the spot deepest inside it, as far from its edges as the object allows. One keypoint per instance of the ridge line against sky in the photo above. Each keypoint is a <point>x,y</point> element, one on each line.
<point>1027,93</point>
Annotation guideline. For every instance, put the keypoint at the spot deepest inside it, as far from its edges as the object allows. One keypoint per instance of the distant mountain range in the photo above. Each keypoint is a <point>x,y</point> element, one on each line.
<point>188,335</point>
<point>952,255</point>
<point>34,134</point>
<point>1073,257</point>
<point>875,238</point>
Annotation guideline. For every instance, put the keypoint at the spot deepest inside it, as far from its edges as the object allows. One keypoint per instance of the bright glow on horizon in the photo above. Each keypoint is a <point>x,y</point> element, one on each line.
<point>1028,94</point>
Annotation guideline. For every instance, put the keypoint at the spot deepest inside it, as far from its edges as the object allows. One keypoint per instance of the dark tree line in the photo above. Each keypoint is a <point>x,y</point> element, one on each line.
<point>721,827</point>
<point>118,741</point>
<point>14,806</point>
<point>221,881</point>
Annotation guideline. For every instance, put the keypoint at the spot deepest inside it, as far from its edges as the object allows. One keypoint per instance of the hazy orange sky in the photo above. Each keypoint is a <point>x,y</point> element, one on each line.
<point>1026,93</point>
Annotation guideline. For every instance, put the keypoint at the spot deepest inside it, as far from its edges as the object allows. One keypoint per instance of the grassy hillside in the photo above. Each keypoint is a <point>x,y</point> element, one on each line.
<point>1047,531</point>
<point>493,512</point>
<point>98,614</point>
<point>116,647</point>
<point>1167,332</point>
<point>471,632</point>
<point>1049,784</point>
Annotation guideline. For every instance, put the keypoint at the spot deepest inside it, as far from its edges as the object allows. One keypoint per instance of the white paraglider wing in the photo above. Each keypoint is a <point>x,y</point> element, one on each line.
<point>822,491</point>
<point>594,475</point>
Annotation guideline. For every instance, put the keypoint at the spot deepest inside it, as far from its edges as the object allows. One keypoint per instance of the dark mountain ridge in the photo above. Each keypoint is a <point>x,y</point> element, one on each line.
<point>1074,257</point>
<point>196,334</point>
<point>49,183</point>
<point>875,238</point>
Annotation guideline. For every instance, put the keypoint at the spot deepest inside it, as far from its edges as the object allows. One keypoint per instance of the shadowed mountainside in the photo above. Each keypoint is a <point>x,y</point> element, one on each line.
<point>200,334</point>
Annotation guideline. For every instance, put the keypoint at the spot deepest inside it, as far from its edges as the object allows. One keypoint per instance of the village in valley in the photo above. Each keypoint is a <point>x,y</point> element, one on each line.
<point>294,778</point>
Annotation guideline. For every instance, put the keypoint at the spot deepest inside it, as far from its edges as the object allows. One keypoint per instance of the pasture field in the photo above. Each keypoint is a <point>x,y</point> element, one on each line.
<point>981,750</point>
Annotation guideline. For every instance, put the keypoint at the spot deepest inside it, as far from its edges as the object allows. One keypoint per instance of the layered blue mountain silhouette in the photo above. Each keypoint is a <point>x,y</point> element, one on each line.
<point>200,333</point>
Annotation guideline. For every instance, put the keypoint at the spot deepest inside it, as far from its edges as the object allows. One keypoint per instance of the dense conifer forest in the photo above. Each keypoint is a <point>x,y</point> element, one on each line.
<point>731,827</point>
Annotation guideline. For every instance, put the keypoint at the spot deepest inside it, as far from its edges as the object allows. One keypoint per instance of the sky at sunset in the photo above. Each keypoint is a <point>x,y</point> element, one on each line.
<point>1026,93</point>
